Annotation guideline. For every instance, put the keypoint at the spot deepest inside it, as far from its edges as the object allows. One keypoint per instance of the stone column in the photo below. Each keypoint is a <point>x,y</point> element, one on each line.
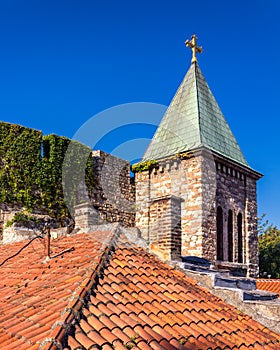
<point>251,227</point>
<point>142,194</point>
<point>192,207</point>
<point>165,227</point>
<point>85,215</point>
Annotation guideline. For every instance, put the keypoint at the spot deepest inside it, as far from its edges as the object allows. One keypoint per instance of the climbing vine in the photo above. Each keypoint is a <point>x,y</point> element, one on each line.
<point>23,219</point>
<point>19,165</point>
<point>140,167</point>
<point>31,170</point>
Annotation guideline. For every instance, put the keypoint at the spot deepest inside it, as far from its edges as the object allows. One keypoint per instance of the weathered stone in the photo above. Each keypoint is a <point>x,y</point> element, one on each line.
<point>204,182</point>
<point>114,194</point>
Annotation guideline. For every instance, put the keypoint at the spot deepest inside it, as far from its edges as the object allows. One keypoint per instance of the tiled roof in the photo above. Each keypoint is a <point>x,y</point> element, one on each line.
<point>272,285</point>
<point>34,292</point>
<point>128,299</point>
<point>194,120</point>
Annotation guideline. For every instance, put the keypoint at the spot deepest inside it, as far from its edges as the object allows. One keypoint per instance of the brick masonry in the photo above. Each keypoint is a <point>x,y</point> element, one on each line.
<point>203,182</point>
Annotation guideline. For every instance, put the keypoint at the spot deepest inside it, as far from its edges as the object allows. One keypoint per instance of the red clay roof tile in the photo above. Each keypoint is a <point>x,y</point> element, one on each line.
<point>271,285</point>
<point>129,300</point>
<point>83,339</point>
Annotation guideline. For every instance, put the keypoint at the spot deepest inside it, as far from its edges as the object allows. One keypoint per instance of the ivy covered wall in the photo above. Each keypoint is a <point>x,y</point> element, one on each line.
<point>31,170</point>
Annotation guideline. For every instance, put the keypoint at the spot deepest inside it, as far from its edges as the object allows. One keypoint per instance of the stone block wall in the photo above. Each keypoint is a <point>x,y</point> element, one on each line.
<point>251,224</point>
<point>192,206</point>
<point>85,216</point>
<point>231,195</point>
<point>174,204</point>
<point>11,234</point>
<point>114,194</point>
<point>236,191</point>
<point>142,206</point>
<point>112,200</point>
<point>165,227</point>
<point>180,178</point>
<point>203,181</point>
<point>18,234</point>
<point>160,181</point>
<point>209,193</point>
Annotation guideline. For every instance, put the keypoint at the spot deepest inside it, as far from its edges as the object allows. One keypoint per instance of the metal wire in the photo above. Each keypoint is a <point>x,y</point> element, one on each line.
<point>21,249</point>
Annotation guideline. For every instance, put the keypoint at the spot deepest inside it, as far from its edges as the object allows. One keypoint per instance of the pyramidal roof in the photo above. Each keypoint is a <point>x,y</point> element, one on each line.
<point>194,120</point>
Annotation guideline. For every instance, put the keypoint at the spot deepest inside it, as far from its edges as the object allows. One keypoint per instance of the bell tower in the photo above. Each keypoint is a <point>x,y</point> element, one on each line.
<point>197,194</point>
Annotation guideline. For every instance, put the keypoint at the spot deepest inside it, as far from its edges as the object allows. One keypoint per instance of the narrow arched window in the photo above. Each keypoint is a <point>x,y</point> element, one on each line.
<point>240,237</point>
<point>220,236</point>
<point>230,236</point>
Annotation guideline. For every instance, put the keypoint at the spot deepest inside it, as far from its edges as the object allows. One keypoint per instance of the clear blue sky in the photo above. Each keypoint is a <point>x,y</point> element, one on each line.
<point>61,62</point>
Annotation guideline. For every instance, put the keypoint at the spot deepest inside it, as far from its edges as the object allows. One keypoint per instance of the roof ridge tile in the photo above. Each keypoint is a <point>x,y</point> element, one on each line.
<point>73,309</point>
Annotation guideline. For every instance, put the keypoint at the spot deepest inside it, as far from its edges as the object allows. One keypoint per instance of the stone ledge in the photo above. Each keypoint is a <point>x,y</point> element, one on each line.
<point>259,295</point>
<point>248,284</point>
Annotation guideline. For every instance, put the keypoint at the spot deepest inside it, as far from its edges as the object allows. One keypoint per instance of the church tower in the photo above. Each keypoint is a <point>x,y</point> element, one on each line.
<point>195,191</point>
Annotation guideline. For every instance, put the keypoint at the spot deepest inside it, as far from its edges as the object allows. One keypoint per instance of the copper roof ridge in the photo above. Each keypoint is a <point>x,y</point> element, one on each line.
<point>80,295</point>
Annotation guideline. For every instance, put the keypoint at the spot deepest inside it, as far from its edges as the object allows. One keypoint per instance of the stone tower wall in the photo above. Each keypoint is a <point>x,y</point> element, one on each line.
<point>192,195</point>
<point>165,227</point>
<point>209,192</point>
<point>251,224</point>
<point>150,185</point>
<point>202,182</point>
<point>182,178</point>
<point>142,204</point>
<point>231,195</point>
<point>236,191</point>
<point>172,178</point>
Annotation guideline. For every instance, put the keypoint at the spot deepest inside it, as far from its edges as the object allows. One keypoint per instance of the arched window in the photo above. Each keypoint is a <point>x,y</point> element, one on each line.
<point>230,236</point>
<point>240,238</point>
<point>220,228</point>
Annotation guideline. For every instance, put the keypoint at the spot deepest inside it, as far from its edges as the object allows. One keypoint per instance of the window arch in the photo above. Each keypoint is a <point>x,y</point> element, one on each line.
<point>240,238</point>
<point>220,236</point>
<point>230,235</point>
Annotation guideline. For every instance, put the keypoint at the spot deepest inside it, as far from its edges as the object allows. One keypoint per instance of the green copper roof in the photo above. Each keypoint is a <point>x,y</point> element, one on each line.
<point>194,120</point>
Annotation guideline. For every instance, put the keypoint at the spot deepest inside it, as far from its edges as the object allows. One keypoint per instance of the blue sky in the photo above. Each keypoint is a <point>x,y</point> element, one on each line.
<point>63,62</point>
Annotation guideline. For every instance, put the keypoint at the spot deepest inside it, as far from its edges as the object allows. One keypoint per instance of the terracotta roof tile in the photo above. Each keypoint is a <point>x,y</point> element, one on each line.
<point>271,285</point>
<point>74,344</point>
<point>84,340</point>
<point>87,298</point>
<point>34,292</point>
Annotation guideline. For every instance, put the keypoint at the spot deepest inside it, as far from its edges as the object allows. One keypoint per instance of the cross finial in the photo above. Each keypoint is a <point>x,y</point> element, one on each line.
<point>193,45</point>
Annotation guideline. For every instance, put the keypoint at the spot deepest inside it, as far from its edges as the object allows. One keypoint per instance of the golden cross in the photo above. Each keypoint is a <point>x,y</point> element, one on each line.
<point>193,45</point>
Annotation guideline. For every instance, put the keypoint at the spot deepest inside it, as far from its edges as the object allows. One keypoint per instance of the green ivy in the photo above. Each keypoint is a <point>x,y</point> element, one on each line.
<point>23,219</point>
<point>19,164</point>
<point>140,167</point>
<point>31,170</point>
